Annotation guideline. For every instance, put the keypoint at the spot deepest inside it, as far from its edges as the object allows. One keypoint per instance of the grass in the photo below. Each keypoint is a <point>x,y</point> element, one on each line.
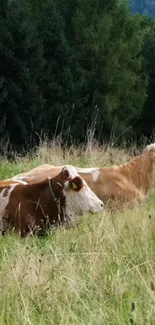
<point>100,272</point>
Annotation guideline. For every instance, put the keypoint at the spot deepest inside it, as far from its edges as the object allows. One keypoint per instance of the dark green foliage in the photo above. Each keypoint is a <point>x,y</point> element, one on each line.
<point>146,123</point>
<point>68,67</point>
<point>57,82</point>
<point>21,66</point>
<point>109,42</point>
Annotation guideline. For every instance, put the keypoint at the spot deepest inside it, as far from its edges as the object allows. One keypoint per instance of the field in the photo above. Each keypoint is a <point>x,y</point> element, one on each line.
<point>100,272</point>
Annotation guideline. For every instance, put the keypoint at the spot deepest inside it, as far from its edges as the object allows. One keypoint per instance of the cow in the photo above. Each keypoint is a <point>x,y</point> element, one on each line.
<point>29,206</point>
<point>106,182</point>
<point>128,182</point>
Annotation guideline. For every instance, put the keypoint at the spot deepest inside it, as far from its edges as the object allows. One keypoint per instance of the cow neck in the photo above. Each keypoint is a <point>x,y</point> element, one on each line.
<point>55,198</point>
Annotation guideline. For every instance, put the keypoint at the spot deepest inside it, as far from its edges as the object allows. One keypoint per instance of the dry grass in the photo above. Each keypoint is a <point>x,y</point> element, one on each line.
<point>101,272</point>
<point>55,154</point>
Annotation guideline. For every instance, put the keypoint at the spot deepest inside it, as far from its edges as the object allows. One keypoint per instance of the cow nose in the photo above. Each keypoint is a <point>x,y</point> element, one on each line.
<point>102,205</point>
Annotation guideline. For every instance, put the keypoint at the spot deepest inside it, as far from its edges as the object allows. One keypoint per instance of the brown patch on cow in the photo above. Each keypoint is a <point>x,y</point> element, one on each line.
<point>32,207</point>
<point>139,171</point>
<point>76,183</point>
<point>7,183</point>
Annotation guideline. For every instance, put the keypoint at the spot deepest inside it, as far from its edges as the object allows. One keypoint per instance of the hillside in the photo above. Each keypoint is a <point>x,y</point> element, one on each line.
<point>100,272</point>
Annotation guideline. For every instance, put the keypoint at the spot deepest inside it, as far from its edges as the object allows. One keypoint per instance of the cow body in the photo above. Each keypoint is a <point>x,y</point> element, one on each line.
<point>128,182</point>
<point>31,207</point>
<point>104,182</point>
<point>27,207</point>
<point>79,202</point>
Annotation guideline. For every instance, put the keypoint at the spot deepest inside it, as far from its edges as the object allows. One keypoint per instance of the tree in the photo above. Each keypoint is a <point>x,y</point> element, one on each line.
<point>21,66</point>
<point>57,82</point>
<point>146,123</point>
<point>67,67</point>
<point>108,40</point>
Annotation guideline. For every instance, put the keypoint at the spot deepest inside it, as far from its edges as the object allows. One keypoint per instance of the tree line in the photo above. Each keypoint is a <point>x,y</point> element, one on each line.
<point>73,67</point>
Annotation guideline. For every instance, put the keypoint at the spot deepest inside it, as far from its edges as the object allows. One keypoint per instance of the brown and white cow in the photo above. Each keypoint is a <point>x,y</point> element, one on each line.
<point>30,207</point>
<point>22,205</point>
<point>128,182</point>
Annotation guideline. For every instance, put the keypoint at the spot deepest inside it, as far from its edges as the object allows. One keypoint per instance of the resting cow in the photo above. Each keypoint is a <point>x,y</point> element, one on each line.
<point>129,182</point>
<point>51,201</point>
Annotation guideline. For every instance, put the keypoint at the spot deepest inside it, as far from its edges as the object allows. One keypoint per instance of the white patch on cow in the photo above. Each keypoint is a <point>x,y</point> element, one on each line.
<point>4,200</point>
<point>96,174</point>
<point>16,179</point>
<point>71,170</point>
<point>81,201</point>
<point>87,170</point>
<point>21,182</point>
<point>149,147</point>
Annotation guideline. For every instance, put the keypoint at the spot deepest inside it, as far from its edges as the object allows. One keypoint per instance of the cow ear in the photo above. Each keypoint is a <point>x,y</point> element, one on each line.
<point>65,173</point>
<point>76,183</point>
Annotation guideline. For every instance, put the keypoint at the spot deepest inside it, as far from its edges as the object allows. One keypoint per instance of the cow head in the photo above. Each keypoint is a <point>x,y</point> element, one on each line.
<point>79,197</point>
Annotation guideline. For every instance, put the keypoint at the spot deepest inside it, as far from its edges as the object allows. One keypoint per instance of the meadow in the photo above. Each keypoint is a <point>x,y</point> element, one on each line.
<point>100,272</point>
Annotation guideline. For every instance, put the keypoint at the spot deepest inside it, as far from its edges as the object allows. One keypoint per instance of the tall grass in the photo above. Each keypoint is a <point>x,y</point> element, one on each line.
<point>100,272</point>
